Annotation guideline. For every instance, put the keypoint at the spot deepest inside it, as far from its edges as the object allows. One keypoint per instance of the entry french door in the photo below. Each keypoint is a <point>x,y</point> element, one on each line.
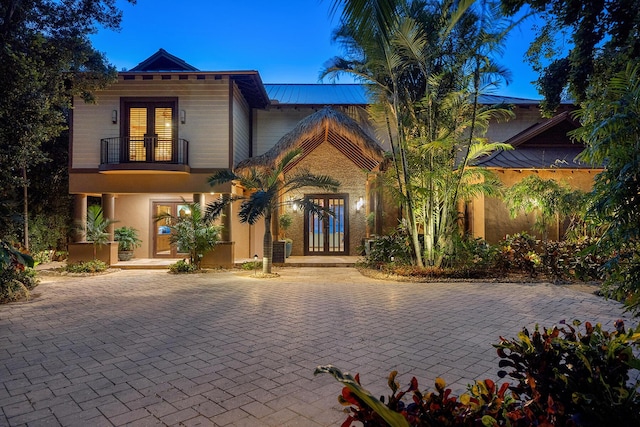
<point>162,248</point>
<point>327,234</point>
<point>150,128</point>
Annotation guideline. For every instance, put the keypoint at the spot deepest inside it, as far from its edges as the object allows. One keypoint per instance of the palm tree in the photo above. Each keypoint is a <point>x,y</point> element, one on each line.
<point>96,228</point>
<point>267,186</point>
<point>192,233</point>
<point>426,72</point>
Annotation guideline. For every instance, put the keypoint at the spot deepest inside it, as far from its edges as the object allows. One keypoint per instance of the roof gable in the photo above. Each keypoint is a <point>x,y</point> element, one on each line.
<point>163,61</point>
<point>325,125</point>
<point>545,145</point>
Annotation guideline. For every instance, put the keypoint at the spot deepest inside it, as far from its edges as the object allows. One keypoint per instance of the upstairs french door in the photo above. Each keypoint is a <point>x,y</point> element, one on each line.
<point>326,234</point>
<point>150,128</point>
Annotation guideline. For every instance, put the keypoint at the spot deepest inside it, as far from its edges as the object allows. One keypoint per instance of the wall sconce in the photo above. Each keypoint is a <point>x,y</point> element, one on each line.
<point>183,116</point>
<point>114,116</point>
<point>294,204</point>
<point>359,204</point>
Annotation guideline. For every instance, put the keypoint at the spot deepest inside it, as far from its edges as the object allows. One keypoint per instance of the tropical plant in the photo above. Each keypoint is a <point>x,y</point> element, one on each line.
<point>17,276</point>
<point>566,377</point>
<point>127,238</point>
<point>96,228</point>
<point>284,222</point>
<point>267,187</point>
<point>427,69</point>
<point>193,233</point>
<point>611,134</point>
<point>547,197</point>
<point>183,267</point>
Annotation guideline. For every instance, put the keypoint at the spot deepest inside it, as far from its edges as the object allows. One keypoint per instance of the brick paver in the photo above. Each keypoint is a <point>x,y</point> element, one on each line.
<point>149,348</point>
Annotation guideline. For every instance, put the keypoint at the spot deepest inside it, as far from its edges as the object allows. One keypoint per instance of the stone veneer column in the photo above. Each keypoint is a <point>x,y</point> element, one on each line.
<point>226,221</point>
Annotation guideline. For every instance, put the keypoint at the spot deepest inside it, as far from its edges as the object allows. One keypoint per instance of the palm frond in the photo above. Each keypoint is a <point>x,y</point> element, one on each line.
<point>214,209</point>
<point>222,177</point>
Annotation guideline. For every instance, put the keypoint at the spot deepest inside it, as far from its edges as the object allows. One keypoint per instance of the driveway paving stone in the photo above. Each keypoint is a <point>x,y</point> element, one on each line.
<point>144,347</point>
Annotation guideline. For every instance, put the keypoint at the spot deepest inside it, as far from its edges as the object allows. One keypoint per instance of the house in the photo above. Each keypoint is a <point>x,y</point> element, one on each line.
<point>154,137</point>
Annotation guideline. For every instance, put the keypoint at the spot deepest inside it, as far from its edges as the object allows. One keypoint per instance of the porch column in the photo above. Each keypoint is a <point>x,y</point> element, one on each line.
<point>226,221</point>
<point>199,199</point>
<point>108,210</point>
<point>80,217</point>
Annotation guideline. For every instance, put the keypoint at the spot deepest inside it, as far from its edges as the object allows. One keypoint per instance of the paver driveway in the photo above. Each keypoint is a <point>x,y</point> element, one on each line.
<point>150,348</point>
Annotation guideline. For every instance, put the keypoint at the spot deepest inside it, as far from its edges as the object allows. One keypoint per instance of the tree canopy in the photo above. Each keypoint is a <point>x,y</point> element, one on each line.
<point>581,45</point>
<point>46,57</point>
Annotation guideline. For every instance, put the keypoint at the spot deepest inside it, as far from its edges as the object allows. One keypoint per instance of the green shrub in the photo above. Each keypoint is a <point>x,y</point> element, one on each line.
<point>127,238</point>
<point>383,248</point>
<point>182,266</point>
<point>17,277</point>
<point>47,232</point>
<point>252,265</point>
<point>93,266</point>
<point>472,254</point>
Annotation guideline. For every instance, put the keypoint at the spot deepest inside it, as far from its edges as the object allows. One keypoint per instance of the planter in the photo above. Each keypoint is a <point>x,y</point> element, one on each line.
<point>287,249</point>
<point>125,255</point>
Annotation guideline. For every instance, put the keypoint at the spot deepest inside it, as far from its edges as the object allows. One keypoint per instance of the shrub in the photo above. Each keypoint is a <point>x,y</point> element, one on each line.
<point>252,265</point>
<point>93,266</point>
<point>470,253</point>
<point>563,378</point>
<point>182,266</point>
<point>394,245</point>
<point>516,253</point>
<point>17,277</point>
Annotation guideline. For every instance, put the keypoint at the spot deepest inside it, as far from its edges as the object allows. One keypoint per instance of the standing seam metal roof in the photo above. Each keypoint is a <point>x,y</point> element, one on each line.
<point>350,94</point>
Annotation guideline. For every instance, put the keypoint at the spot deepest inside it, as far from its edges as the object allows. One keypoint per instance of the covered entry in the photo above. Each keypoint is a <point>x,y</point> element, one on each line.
<point>327,234</point>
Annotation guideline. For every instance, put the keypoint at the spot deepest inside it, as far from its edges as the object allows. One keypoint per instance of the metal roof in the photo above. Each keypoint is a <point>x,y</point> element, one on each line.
<point>317,94</point>
<point>351,94</point>
<point>536,158</point>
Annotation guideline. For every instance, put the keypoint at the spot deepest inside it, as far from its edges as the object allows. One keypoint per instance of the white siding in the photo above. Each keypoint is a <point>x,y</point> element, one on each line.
<point>241,127</point>
<point>206,103</point>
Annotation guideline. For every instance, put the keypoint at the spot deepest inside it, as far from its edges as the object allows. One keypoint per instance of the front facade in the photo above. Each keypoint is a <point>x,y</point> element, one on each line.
<point>155,136</point>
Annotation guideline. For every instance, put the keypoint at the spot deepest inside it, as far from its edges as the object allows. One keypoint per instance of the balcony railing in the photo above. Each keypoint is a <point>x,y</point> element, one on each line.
<point>148,150</point>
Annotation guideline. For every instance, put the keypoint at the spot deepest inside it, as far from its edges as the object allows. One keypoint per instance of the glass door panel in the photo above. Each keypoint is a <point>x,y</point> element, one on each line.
<point>327,234</point>
<point>137,133</point>
<point>151,130</point>
<point>164,132</point>
<point>162,234</point>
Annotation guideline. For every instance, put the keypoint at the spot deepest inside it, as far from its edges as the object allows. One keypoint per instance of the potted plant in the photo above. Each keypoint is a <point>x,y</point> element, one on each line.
<point>284,222</point>
<point>127,238</point>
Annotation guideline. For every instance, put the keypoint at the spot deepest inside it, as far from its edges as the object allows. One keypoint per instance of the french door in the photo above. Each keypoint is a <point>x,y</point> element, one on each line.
<point>162,248</point>
<point>150,128</point>
<point>327,234</point>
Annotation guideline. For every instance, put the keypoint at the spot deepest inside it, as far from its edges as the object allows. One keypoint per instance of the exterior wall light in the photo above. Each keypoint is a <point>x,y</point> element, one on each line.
<point>183,116</point>
<point>114,116</point>
<point>359,204</point>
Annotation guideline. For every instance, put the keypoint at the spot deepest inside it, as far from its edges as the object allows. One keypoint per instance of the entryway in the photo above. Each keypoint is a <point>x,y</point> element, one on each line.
<point>327,234</point>
<point>161,245</point>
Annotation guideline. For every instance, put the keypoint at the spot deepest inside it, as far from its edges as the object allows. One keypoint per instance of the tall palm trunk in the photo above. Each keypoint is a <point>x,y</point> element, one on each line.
<point>267,245</point>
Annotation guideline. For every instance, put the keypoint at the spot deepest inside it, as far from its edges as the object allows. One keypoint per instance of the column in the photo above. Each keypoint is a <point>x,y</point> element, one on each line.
<point>80,217</point>
<point>108,210</point>
<point>226,221</point>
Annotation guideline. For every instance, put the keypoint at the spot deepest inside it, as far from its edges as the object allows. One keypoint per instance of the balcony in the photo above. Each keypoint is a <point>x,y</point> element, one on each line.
<point>144,154</point>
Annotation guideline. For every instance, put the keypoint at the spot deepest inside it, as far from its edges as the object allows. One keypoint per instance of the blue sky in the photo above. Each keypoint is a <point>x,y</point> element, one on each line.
<point>285,41</point>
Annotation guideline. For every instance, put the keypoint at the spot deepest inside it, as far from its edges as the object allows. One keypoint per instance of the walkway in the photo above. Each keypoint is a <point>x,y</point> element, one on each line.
<point>143,347</point>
